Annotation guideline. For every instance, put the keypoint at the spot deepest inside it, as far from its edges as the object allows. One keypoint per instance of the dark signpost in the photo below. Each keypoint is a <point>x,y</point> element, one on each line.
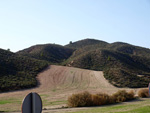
<point>149,89</point>
<point>32,103</point>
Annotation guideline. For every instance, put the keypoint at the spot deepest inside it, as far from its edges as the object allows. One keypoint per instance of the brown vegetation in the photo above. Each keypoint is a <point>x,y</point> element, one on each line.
<point>87,99</point>
<point>143,93</point>
<point>100,99</point>
<point>122,96</point>
<point>80,99</point>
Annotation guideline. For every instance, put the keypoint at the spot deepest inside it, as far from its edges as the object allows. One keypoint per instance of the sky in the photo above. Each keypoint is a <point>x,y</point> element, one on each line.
<point>24,23</point>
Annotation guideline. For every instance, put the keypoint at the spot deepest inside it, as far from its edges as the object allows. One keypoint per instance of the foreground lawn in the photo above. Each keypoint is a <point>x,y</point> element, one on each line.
<point>141,105</point>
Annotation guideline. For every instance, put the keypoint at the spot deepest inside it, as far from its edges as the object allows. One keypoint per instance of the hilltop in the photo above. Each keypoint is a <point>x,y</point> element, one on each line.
<point>48,52</point>
<point>86,42</point>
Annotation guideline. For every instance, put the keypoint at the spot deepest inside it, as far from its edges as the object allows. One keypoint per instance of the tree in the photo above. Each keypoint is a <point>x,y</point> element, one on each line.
<point>8,49</point>
<point>70,42</point>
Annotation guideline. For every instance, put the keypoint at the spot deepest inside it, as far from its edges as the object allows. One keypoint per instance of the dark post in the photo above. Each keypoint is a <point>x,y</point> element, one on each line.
<point>32,104</point>
<point>149,89</point>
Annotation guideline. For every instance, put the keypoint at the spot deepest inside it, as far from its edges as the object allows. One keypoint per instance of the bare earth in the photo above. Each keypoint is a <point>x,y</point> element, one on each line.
<point>56,83</point>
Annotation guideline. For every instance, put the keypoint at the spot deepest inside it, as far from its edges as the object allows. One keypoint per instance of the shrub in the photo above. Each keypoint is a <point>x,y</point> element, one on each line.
<point>143,93</point>
<point>122,96</point>
<point>100,99</point>
<point>112,100</point>
<point>131,95</point>
<point>87,99</point>
<point>80,100</point>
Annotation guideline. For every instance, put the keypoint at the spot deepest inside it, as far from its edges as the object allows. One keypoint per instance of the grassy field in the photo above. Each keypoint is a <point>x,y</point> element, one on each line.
<point>141,105</point>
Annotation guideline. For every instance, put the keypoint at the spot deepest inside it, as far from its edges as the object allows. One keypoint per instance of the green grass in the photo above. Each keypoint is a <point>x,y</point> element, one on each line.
<point>145,109</point>
<point>10,101</point>
<point>5,102</point>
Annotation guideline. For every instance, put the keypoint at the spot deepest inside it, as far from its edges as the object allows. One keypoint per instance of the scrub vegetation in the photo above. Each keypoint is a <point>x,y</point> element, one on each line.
<point>18,72</point>
<point>86,99</point>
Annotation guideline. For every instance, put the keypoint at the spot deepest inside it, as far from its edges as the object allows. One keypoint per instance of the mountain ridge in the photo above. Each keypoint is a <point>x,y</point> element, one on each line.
<point>121,62</point>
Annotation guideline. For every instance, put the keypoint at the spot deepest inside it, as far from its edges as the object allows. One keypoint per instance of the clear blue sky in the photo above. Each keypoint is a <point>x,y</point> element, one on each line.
<point>28,22</point>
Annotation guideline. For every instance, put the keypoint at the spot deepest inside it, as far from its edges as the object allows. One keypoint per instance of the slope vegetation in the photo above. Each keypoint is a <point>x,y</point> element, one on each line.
<point>18,72</point>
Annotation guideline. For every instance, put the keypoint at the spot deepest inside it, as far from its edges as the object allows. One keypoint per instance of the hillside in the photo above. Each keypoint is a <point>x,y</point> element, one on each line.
<point>18,72</point>
<point>117,67</point>
<point>130,49</point>
<point>119,61</point>
<point>48,52</point>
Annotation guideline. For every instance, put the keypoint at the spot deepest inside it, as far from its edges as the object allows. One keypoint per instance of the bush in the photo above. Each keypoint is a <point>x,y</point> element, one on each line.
<point>87,99</point>
<point>143,93</point>
<point>122,96</point>
<point>131,95</point>
<point>80,100</point>
<point>100,99</point>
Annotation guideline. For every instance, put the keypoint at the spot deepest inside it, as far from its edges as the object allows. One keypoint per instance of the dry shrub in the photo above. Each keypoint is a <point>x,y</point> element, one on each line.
<point>87,99</point>
<point>131,95</point>
<point>122,96</point>
<point>143,93</point>
<point>80,100</point>
<point>112,100</point>
<point>100,99</point>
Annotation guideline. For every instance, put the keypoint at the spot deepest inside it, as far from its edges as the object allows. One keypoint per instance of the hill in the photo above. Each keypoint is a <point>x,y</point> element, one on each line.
<point>48,52</point>
<point>121,62</point>
<point>18,72</point>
